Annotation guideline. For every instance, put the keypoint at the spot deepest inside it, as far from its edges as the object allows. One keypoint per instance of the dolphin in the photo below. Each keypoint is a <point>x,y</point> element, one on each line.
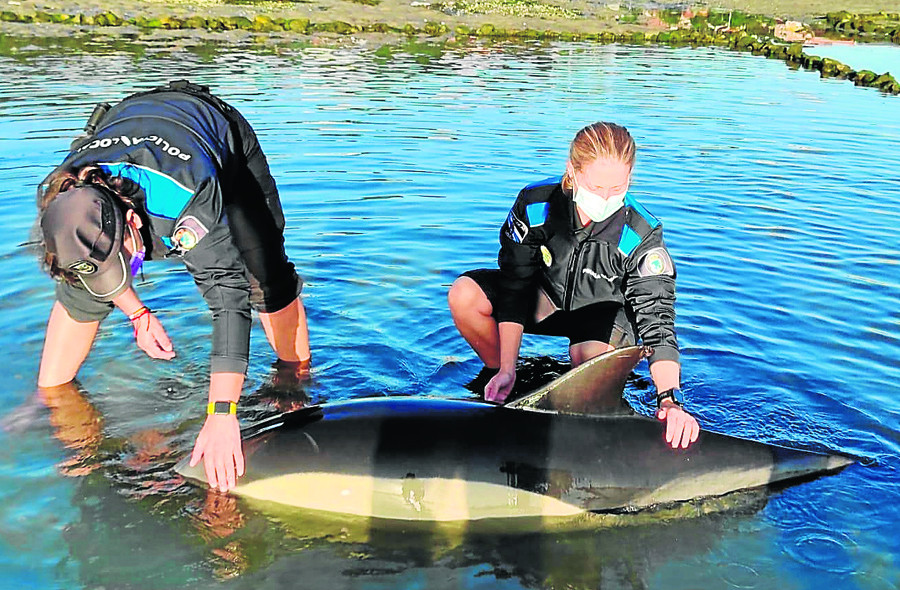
<point>444,460</point>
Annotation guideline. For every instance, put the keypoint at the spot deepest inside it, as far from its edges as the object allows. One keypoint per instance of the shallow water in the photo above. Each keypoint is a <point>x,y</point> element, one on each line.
<point>879,58</point>
<point>778,193</point>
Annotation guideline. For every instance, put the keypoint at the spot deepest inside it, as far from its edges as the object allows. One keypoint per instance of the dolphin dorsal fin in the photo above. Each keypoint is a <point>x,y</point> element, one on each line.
<point>594,387</point>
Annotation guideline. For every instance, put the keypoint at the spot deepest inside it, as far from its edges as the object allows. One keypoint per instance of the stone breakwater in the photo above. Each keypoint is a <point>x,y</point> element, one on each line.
<point>882,26</point>
<point>756,34</point>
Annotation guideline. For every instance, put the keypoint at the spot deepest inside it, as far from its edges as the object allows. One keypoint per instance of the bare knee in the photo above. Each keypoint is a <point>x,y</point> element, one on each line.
<point>466,297</point>
<point>584,351</point>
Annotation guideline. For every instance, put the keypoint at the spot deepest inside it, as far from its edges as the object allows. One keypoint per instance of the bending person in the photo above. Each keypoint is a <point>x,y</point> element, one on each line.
<point>580,258</point>
<point>171,173</point>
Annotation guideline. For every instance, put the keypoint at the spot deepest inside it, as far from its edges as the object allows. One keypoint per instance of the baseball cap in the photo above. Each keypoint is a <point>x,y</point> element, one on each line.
<point>83,227</point>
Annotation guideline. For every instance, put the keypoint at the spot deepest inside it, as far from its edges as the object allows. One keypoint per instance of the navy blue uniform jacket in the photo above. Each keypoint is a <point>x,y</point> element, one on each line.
<point>619,261</point>
<point>179,151</point>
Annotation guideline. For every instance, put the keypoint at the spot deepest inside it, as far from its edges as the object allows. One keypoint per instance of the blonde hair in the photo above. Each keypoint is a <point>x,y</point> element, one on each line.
<point>596,141</point>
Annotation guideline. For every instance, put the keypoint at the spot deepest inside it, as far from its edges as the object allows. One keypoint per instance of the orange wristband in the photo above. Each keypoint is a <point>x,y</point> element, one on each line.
<point>141,312</point>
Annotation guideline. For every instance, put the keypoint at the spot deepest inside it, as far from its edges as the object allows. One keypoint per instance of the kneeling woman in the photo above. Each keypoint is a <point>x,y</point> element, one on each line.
<point>580,258</point>
<point>171,173</point>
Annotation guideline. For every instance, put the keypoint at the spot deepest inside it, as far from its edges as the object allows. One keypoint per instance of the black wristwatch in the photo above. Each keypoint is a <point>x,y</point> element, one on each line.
<point>673,394</point>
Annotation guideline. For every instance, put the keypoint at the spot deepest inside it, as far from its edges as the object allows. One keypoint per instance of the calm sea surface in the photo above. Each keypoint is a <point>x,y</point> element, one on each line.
<point>779,194</point>
<point>878,58</point>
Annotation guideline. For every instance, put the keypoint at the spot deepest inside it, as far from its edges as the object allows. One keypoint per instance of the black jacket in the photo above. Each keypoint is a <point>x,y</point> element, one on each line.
<point>621,260</point>
<point>178,149</point>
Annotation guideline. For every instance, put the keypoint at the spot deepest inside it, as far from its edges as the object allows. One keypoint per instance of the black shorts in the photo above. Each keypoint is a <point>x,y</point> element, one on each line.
<point>599,322</point>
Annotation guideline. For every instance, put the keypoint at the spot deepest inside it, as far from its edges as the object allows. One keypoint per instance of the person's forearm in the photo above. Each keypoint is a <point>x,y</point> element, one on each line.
<point>230,341</point>
<point>225,387</point>
<point>666,374</point>
<point>510,341</point>
<point>128,301</point>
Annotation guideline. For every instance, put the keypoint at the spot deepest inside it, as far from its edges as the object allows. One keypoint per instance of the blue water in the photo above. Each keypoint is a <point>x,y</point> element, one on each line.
<point>862,56</point>
<point>778,191</point>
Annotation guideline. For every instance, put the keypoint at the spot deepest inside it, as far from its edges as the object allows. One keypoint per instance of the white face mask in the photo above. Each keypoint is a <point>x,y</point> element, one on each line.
<point>595,206</point>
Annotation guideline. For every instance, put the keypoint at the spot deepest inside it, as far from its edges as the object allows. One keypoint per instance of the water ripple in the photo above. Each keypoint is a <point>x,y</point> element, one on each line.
<point>779,203</point>
<point>737,575</point>
<point>824,550</point>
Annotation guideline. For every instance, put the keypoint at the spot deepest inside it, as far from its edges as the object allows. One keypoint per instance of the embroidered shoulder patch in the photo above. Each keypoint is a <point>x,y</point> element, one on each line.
<point>656,262</point>
<point>188,233</point>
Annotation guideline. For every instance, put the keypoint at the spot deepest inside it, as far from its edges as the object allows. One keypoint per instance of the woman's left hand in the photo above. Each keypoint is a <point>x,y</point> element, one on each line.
<point>682,429</point>
<point>219,445</point>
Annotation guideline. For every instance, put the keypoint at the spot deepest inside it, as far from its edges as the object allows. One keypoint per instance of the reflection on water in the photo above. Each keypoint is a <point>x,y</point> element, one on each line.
<point>396,170</point>
<point>611,551</point>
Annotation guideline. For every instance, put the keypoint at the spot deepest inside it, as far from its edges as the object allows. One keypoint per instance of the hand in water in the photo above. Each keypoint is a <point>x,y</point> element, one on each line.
<point>151,337</point>
<point>499,388</point>
<point>219,445</point>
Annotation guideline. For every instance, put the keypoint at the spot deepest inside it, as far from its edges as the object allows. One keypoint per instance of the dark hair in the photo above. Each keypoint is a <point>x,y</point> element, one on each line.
<point>62,180</point>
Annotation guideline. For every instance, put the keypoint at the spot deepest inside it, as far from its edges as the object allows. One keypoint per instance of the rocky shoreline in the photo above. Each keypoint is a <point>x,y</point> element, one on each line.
<point>327,21</point>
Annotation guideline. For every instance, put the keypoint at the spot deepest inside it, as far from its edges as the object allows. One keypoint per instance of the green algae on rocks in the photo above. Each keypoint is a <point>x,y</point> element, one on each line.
<point>732,29</point>
<point>523,8</point>
<point>882,26</point>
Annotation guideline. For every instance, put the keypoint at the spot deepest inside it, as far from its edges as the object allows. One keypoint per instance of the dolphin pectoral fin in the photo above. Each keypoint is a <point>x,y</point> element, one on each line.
<point>594,387</point>
<point>293,419</point>
<point>193,474</point>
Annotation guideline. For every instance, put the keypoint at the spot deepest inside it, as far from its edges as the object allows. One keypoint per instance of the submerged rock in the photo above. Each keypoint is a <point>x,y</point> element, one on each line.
<point>298,25</point>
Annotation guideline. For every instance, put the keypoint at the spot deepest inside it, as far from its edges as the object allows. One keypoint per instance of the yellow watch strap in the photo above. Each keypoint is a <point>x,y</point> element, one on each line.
<point>221,408</point>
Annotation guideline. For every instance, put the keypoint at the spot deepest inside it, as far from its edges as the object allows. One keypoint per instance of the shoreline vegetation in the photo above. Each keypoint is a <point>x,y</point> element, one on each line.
<point>777,30</point>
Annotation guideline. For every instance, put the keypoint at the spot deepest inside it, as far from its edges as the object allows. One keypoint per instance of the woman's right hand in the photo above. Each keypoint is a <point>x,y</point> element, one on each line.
<point>500,386</point>
<point>219,445</point>
<point>151,337</point>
